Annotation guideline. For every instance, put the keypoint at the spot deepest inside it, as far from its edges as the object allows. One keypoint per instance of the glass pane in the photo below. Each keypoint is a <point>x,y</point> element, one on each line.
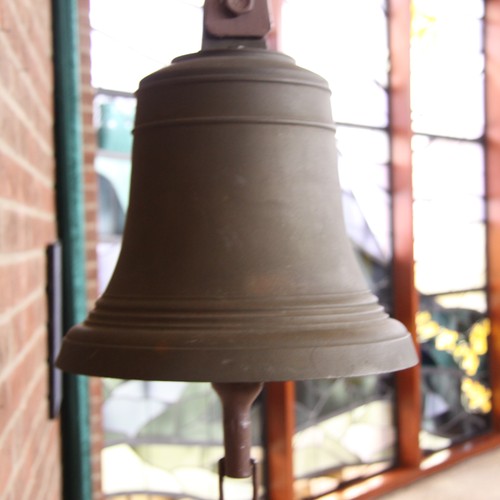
<point>131,38</point>
<point>115,119</point>
<point>449,257</point>
<point>345,428</point>
<point>346,43</point>
<point>453,333</point>
<point>364,178</point>
<point>444,168</point>
<point>345,431</point>
<point>447,64</point>
<point>167,437</point>
<point>449,214</point>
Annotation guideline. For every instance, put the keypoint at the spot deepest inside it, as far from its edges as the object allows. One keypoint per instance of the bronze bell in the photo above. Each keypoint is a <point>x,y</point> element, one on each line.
<point>235,265</point>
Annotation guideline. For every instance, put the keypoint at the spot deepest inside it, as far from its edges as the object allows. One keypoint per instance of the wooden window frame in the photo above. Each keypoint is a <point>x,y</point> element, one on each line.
<point>280,406</point>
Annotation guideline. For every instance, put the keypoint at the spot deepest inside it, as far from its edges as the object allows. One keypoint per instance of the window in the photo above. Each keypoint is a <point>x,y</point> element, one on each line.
<point>447,104</point>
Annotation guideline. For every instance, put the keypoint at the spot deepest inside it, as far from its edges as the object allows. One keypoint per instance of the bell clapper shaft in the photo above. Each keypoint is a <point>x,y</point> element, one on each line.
<point>237,399</point>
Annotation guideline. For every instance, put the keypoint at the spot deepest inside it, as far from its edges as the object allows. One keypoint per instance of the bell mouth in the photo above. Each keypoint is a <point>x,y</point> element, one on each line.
<point>251,341</point>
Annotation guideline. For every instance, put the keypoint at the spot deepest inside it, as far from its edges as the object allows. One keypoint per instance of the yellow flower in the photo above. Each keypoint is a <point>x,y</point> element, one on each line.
<point>426,328</point>
<point>467,359</point>
<point>423,317</point>
<point>478,337</point>
<point>477,397</point>
<point>470,364</point>
<point>422,21</point>
<point>447,340</point>
<point>461,351</point>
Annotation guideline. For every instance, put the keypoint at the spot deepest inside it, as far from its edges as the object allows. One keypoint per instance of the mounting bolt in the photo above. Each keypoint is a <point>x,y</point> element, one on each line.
<point>239,7</point>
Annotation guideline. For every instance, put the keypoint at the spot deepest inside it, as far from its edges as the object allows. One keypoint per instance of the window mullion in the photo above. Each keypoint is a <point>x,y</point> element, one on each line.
<point>280,428</point>
<point>492,143</point>
<point>408,407</point>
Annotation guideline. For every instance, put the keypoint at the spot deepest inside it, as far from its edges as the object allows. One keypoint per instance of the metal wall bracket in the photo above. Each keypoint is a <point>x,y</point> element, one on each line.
<point>54,301</point>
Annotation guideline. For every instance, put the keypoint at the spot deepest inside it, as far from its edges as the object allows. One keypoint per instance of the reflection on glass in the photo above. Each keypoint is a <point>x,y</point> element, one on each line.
<point>453,332</point>
<point>114,116</point>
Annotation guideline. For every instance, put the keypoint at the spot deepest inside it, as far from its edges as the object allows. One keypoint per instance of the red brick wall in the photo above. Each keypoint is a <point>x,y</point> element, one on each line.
<point>90,187</point>
<point>29,441</point>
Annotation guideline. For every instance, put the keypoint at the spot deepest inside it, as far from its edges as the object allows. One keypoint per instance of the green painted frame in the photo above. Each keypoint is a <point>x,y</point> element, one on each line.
<point>75,426</point>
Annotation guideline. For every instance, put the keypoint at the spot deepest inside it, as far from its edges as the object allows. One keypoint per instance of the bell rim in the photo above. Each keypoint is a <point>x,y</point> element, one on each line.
<point>238,365</point>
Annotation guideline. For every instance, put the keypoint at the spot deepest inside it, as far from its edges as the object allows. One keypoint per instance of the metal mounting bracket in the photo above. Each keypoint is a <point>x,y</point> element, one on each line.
<point>235,23</point>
